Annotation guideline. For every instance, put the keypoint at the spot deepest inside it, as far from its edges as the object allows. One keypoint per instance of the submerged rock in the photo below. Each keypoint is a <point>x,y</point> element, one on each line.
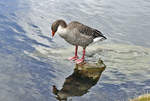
<point>81,80</point>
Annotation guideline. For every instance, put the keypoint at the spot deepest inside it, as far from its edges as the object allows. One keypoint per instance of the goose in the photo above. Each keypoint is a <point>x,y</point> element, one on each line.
<point>76,34</point>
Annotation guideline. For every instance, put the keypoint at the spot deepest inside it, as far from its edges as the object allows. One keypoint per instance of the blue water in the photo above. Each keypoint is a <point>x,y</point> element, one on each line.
<point>31,61</point>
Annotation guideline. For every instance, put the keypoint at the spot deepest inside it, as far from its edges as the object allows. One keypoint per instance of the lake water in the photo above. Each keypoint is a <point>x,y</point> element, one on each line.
<point>31,62</point>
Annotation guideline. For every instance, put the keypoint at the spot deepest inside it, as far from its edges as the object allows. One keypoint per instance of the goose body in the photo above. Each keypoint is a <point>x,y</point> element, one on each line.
<point>76,34</point>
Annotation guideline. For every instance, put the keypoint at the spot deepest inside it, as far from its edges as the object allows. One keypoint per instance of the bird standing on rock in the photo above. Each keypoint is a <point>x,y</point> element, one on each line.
<point>76,34</point>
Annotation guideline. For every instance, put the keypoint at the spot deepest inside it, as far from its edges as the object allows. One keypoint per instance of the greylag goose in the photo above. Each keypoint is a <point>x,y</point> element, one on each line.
<point>76,34</point>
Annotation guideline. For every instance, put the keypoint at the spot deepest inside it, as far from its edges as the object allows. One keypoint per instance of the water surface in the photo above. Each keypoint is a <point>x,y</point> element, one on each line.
<point>31,61</point>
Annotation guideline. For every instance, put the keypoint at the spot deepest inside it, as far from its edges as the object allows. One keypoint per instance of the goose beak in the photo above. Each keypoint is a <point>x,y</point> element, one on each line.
<point>53,33</point>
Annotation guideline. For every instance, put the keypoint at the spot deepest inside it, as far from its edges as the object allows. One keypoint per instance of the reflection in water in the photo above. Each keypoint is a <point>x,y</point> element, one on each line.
<point>80,81</point>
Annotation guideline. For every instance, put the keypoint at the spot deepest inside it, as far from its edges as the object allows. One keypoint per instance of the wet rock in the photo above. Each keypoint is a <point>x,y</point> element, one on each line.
<point>91,69</point>
<point>145,97</point>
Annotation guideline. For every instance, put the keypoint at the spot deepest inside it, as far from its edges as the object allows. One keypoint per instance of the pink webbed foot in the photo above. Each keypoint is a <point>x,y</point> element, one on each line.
<point>78,61</point>
<point>73,58</point>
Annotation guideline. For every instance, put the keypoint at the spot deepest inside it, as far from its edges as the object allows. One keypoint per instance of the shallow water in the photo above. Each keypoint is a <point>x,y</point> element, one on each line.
<point>31,61</point>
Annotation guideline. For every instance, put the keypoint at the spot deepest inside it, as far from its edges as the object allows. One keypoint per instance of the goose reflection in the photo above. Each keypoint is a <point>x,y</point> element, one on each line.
<point>80,81</point>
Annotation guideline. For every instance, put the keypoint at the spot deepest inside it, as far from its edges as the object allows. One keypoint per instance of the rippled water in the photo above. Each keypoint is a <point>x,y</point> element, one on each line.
<point>31,61</point>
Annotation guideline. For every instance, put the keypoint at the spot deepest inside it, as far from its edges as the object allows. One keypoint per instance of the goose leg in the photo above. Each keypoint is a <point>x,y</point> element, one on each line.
<point>78,61</point>
<point>76,54</point>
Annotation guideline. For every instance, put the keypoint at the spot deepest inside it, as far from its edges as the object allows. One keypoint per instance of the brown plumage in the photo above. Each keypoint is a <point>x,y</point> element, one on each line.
<point>83,29</point>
